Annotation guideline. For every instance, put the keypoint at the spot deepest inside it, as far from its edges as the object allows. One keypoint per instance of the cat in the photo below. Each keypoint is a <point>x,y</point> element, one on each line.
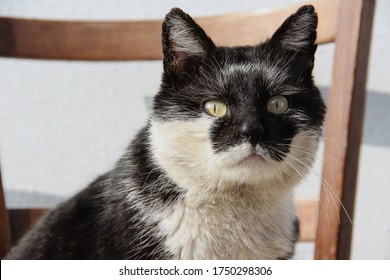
<point>211,175</point>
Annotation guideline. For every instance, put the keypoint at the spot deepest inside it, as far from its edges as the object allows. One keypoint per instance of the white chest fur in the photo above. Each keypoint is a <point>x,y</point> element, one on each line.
<point>235,227</point>
<point>226,213</point>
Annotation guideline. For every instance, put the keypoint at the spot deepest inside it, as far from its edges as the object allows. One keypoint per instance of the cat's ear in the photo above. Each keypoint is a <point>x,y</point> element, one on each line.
<point>298,32</point>
<point>185,44</point>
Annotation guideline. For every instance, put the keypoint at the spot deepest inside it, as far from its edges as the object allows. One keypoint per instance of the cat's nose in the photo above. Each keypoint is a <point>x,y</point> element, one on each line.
<point>252,130</point>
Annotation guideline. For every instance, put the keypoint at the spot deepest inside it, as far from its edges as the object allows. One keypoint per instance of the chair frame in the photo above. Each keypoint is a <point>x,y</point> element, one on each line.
<point>347,23</point>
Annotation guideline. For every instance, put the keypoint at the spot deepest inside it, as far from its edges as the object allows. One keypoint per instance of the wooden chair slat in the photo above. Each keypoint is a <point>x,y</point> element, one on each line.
<point>141,40</point>
<point>307,211</point>
<point>5,233</point>
<point>76,40</point>
<point>21,220</point>
<point>346,109</point>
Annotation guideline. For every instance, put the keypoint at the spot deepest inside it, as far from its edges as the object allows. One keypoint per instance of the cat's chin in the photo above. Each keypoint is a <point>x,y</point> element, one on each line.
<point>243,157</point>
<point>253,159</point>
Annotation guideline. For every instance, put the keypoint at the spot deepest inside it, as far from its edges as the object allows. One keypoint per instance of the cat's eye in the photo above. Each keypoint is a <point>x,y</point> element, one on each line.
<point>215,108</point>
<point>277,104</point>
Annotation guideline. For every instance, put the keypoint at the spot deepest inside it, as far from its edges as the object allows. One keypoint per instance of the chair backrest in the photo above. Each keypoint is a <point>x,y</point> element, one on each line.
<point>347,23</point>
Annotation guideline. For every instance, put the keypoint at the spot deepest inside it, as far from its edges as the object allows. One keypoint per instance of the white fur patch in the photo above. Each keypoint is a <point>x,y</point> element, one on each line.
<point>232,209</point>
<point>239,226</point>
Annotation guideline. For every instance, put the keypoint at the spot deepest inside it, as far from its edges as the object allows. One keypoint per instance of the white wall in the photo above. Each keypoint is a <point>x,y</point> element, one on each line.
<point>64,123</point>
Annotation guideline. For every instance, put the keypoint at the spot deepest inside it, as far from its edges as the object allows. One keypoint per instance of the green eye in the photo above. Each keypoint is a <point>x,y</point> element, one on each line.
<point>215,108</point>
<point>277,104</point>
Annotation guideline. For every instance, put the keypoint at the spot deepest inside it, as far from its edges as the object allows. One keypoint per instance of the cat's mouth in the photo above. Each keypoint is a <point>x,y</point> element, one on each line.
<point>254,158</point>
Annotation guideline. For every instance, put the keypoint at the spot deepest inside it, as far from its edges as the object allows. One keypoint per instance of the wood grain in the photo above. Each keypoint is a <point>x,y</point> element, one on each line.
<point>141,40</point>
<point>343,130</point>
<point>307,211</point>
<point>21,220</point>
<point>80,40</point>
<point>5,234</point>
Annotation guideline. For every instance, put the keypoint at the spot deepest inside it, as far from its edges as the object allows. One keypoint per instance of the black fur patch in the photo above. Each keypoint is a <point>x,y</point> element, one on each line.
<point>295,239</point>
<point>98,223</point>
<point>145,173</point>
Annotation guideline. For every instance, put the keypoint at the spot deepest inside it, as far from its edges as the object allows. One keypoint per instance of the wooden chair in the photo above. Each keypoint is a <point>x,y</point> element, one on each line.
<point>346,23</point>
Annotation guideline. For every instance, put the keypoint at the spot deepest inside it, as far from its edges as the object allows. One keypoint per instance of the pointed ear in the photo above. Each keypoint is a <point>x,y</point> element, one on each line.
<point>185,44</point>
<point>298,32</point>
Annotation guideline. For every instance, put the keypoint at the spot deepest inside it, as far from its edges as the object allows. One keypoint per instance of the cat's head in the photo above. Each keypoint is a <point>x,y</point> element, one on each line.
<point>240,115</point>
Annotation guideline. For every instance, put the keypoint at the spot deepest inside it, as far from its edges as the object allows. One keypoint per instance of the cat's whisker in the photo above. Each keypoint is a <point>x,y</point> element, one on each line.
<point>302,150</point>
<point>327,187</point>
<point>292,165</point>
<point>326,216</point>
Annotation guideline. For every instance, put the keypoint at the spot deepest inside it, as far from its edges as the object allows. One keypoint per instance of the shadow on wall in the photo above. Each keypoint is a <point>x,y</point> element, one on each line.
<point>24,199</point>
<point>377,118</point>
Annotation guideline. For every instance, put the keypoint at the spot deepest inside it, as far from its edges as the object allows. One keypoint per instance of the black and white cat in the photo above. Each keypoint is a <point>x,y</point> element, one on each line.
<point>211,175</point>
